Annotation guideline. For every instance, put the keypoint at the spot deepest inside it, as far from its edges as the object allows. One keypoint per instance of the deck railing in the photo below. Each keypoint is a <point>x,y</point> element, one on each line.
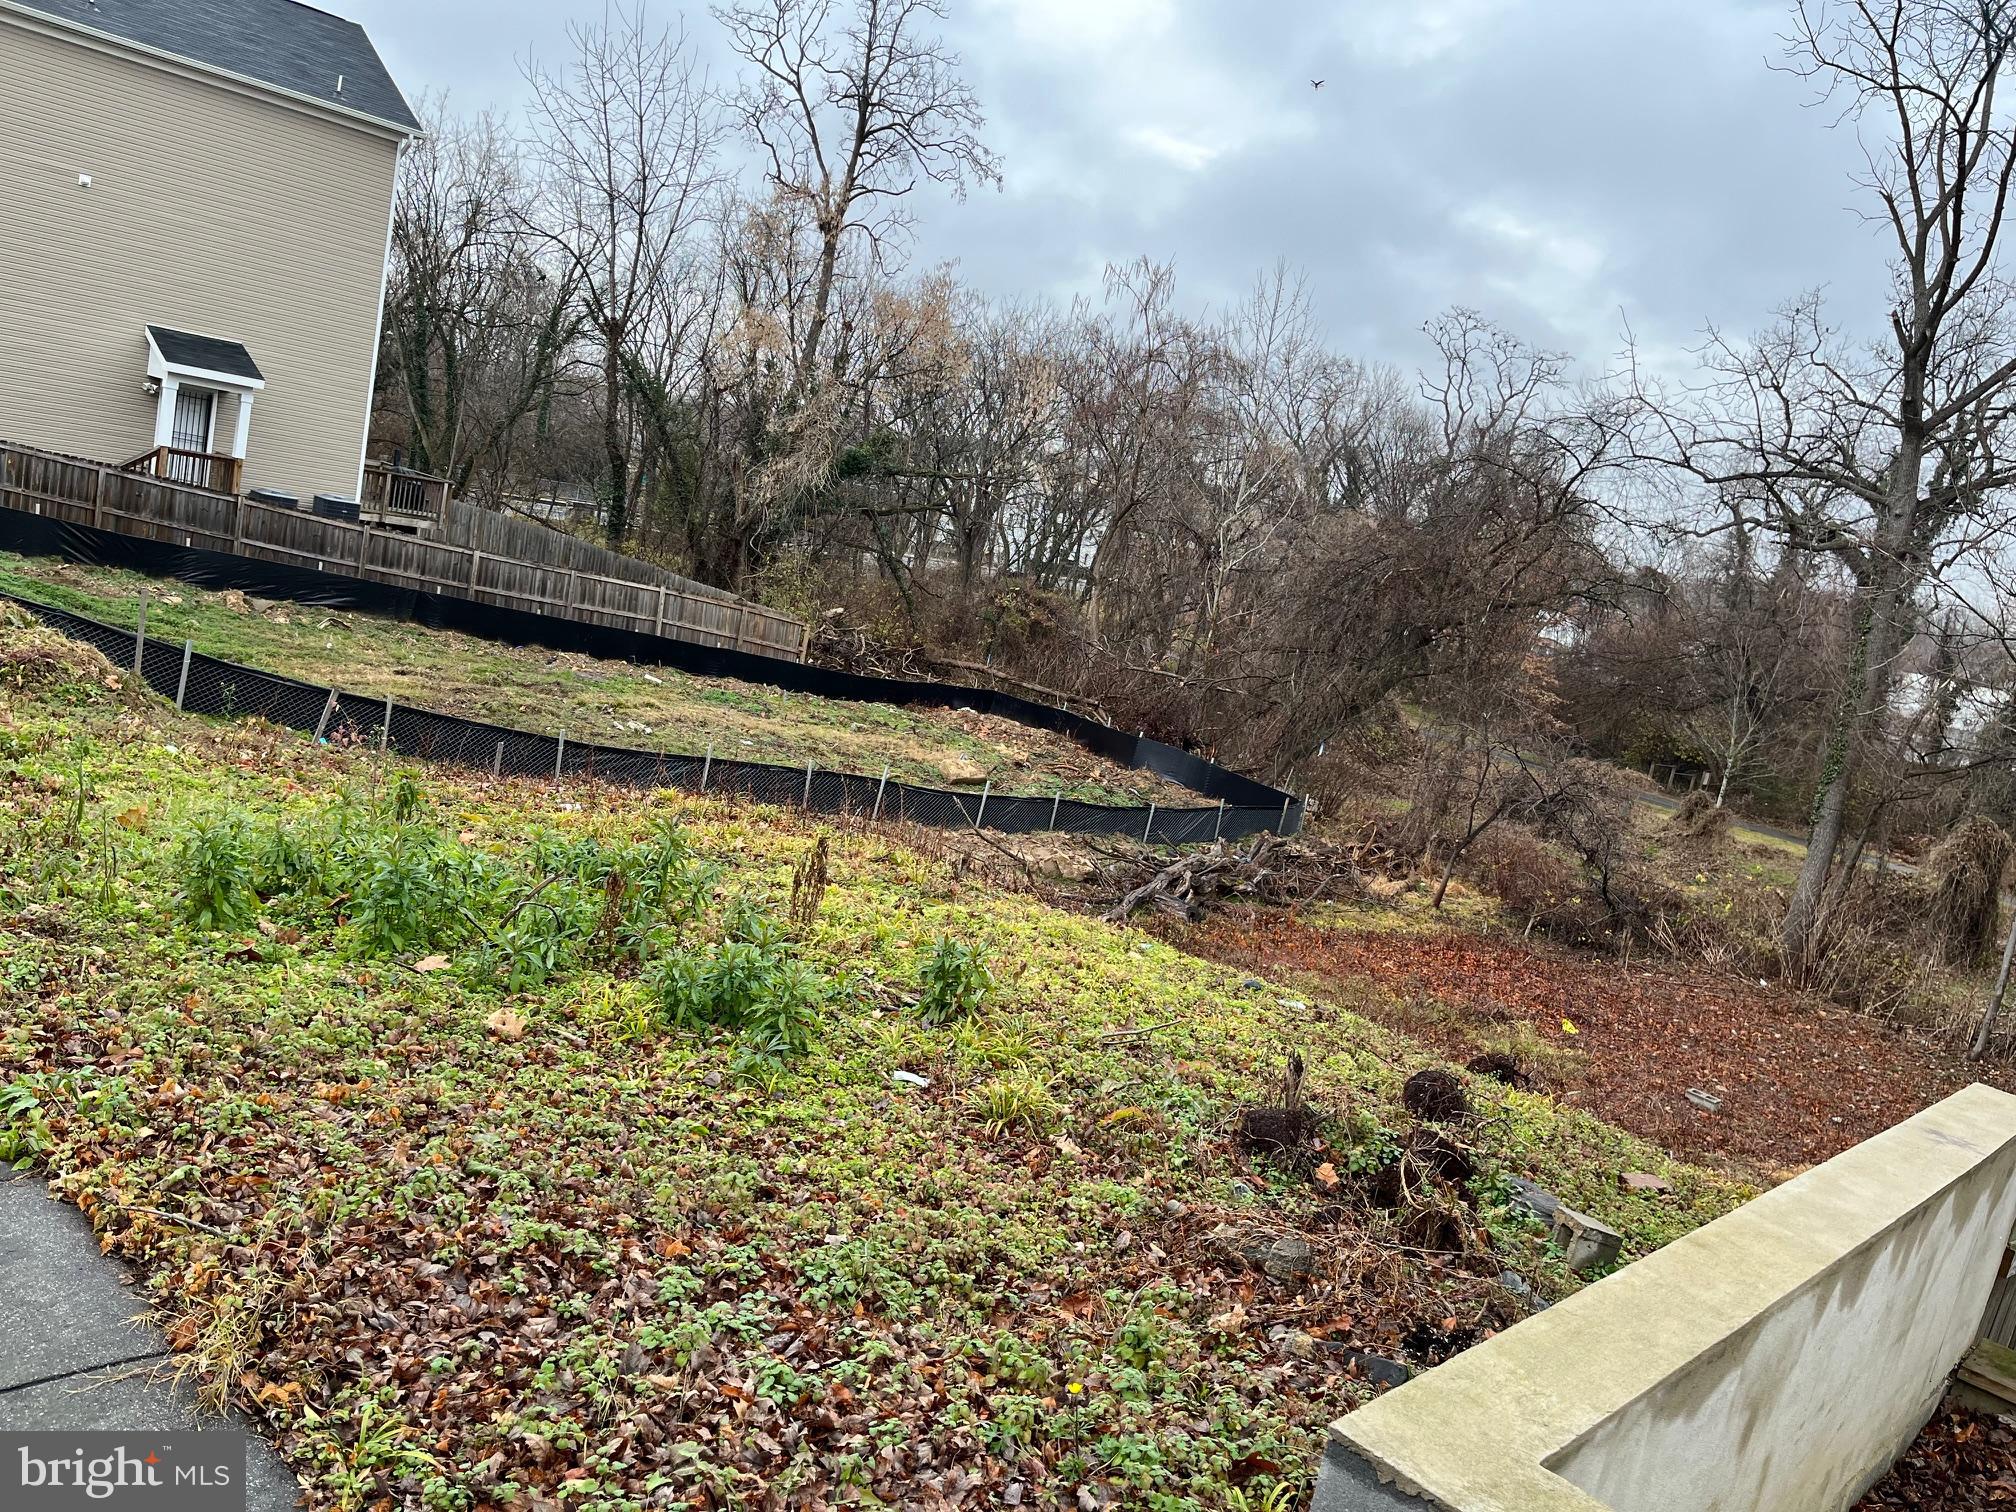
<point>475,554</point>
<point>403,492</point>
<point>212,471</point>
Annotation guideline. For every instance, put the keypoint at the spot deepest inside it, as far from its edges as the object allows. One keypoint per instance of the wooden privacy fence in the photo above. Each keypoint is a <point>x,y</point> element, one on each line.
<point>475,555</point>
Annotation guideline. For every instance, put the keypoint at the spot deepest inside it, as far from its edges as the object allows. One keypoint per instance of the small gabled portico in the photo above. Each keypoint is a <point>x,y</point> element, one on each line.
<point>189,376</point>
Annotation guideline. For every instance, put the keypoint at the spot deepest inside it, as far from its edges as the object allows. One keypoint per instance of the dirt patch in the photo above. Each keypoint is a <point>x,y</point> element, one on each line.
<point>1798,1081</point>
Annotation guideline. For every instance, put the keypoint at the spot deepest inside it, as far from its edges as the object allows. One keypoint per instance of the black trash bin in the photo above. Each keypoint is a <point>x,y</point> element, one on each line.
<point>274,497</point>
<point>335,507</point>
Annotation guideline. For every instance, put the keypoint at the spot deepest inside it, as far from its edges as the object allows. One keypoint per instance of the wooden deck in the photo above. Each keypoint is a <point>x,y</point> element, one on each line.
<point>471,553</point>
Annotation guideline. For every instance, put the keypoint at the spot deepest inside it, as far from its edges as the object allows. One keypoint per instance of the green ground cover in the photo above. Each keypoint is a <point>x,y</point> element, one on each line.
<point>499,1145</point>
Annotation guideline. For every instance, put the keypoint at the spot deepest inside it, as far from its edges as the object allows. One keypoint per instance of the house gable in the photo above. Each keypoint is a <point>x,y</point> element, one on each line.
<point>293,50</point>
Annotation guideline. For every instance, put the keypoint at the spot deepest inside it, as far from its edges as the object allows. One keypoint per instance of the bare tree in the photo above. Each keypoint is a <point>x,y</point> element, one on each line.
<point>852,107</point>
<point>1888,457</point>
<point>474,327</point>
<point>627,135</point>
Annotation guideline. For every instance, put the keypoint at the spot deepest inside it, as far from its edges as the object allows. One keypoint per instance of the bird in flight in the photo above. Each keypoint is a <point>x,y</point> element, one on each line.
<point>1315,83</point>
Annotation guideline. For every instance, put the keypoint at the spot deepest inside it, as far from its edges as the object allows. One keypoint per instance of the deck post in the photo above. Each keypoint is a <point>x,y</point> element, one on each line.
<point>182,682</point>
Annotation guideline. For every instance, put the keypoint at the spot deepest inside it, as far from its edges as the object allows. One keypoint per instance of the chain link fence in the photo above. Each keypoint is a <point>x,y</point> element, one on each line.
<point>203,684</point>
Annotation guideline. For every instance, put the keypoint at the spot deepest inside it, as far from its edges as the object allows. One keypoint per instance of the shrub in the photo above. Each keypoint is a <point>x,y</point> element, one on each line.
<point>1699,817</point>
<point>1533,883</point>
<point>216,875</point>
<point>394,897</point>
<point>1965,870</point>
<point>751,986</point>
<point>956,981</point>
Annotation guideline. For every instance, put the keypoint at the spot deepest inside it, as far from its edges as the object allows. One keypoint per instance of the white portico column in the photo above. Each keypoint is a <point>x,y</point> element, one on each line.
<point>164,413</point>
<point>243,431</point>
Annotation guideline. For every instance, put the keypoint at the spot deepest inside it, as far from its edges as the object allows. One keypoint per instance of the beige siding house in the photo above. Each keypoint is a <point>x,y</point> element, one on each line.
<point>195,201</point>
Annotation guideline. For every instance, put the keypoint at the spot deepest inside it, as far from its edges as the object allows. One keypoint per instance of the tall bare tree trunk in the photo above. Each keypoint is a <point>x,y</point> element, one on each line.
<point>1865,702</point>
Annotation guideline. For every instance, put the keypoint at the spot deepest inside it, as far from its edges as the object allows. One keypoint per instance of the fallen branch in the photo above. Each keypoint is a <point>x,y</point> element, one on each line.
<point>1268,870</point>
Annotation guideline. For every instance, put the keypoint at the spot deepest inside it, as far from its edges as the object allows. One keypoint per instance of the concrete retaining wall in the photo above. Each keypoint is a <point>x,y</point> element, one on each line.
<point>1779,1357</point>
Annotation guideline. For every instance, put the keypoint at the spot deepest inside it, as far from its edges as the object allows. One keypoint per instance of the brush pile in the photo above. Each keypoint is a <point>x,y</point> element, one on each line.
<point>1265,869</point>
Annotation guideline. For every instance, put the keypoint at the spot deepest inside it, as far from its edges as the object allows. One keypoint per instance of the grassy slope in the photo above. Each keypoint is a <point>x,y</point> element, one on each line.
<point>610,703</point>
<point>447,1260</point>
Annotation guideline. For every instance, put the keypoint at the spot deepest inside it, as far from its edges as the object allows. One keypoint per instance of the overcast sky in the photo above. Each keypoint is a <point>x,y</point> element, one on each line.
<point>1562,165</point>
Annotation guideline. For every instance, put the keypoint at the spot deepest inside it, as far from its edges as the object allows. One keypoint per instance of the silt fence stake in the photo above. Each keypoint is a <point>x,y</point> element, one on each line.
<point>182,682</point>
<point>140,635</point>
<point>328,708</point>
<point>880,788</point>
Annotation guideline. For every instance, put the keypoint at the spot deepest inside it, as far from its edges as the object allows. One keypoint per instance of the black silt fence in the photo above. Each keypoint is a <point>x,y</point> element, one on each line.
<point>207,685</point>
<point>39,535</point>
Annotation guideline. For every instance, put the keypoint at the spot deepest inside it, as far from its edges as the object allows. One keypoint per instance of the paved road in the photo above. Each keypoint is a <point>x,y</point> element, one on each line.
<point>78,1357</point>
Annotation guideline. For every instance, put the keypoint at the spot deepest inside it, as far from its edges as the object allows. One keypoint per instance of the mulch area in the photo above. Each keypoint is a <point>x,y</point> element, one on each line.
<point>1960,1463</point>
<point>1800,1081</point>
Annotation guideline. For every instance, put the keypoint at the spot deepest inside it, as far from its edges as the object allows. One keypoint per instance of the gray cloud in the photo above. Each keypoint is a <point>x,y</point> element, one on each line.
<point>1563,165</point>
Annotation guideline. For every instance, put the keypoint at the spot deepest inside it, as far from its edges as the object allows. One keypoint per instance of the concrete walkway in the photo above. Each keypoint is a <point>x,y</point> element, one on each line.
<point>74,1354</point>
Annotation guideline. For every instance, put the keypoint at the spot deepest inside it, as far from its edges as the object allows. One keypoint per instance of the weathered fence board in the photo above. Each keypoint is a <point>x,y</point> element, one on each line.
<point>475,554</point>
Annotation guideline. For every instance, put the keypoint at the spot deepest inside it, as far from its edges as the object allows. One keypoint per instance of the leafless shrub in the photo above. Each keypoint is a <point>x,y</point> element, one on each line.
<point>1699,818</point>
<point>808,886</point>
<point>1965,871</point>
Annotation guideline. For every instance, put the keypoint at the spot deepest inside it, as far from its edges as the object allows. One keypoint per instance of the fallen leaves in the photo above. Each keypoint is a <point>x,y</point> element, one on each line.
<point>1962,1462</point>
<point>506,1024</point>
<point>1803,1082</point>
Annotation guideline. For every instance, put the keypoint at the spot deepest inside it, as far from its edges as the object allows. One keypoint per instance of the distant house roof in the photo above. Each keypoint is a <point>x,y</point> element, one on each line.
<point>210,354</point>
<point>279,43</point>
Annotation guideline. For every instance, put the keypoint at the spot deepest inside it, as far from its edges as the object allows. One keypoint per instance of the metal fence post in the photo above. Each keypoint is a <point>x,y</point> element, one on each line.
<point>985,789</point>
<point>182,682</point>
<point>1218,827</point>
<point>328,708</point>
<point>497,761</point>
<point>1055,799</point>
<point>1282,829</point>
<point>707,766</point>
<point>385,730</point>
<point>1149,827</point>
<point>559,754</point>
<point>806,801</point>
<point>880,788</point>
<point>140,635</point>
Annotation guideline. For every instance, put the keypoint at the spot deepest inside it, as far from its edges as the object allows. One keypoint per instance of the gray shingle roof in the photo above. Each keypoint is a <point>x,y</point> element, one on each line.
<point>211,353</point>
<point>278,42</point>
